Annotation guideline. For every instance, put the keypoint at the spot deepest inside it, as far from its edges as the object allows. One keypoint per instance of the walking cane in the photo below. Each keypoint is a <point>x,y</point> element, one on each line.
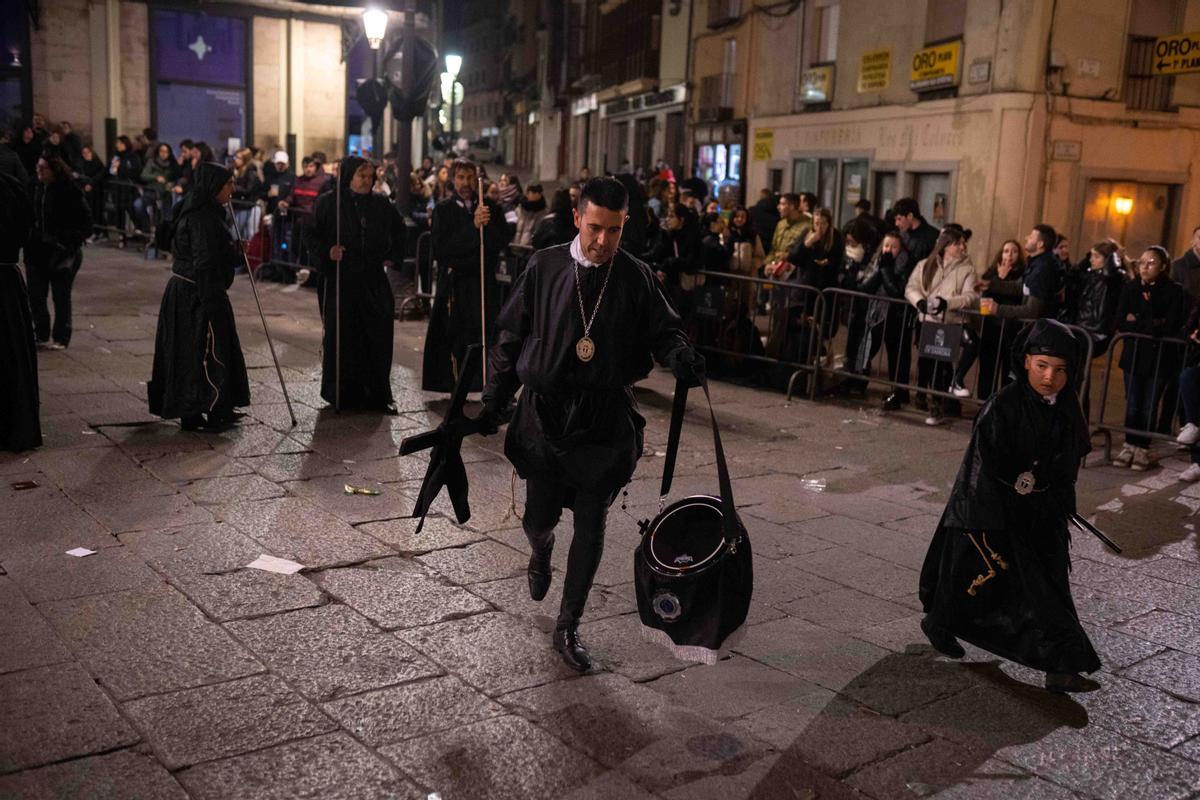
<point>254,288</point>
<point>482,292</point>
<point>337,297</point>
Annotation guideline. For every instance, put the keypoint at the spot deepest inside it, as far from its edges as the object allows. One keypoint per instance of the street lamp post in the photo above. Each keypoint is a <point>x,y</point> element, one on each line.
<point>375,22</point>
<point>453,66</point>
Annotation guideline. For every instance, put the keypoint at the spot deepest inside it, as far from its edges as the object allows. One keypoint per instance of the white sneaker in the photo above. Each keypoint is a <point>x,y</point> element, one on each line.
<point>1191,474</point>
<point>1188,435</point>
<point>302,276</point>
<point>932,420</point>
<point>959,391</point>
<point>56,346</point>
<point>1141,459</point>
<point>1125,457</point>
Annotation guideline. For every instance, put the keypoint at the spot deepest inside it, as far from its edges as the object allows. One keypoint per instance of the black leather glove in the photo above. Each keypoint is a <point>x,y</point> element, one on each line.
<point>922,306</point>
<point>689,367</point>
<point>491,417</point>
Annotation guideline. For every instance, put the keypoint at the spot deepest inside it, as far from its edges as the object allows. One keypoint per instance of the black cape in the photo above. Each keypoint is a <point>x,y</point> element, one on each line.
<point>20,427</point>
<point>454,322</point>
<point>372,233</point>
<point>198,362</point>
<point>578,422</point>
<point>996,574</point>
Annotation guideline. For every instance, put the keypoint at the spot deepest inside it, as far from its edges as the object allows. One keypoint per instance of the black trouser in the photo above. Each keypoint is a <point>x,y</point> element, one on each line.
<point>544,498</point>
<point>898,339</point>
<point>45,279</point>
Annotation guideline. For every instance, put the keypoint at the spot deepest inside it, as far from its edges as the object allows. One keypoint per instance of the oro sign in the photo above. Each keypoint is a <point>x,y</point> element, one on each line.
<point>935,67</point>
<point>1176,54</point>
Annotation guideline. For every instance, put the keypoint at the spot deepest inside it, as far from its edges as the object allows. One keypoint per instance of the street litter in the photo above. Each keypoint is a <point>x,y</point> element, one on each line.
<point>80,552</point>
<point>813,484</point>
<point>21,486</point>
<point>273,564</point>
<point>361,490</point>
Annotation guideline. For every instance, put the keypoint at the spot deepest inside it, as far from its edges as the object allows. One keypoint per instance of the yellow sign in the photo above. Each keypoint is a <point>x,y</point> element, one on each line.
<point>764,144</point>
<point>1176,54</point>
<point>875,71</point>
<point>936,67</point>
<point>816,84</point>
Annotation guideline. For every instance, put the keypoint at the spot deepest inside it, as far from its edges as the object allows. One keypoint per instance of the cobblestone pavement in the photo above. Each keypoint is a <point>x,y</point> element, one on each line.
<point>398,664</point>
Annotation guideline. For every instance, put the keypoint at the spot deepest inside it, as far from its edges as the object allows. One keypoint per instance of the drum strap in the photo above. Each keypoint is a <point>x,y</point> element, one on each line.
<point>678,409</point>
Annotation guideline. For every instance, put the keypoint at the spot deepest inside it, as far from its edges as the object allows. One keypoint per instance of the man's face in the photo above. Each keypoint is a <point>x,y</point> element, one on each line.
<point>310,169</point>
<point>786,209</point>
<point>905,222</point>
<point>39,122</point>
<point>44,173</point>
<point>363,179</point>
<point>1033,242</point>
<point>532,196</point>
<point>281,166</point>
<point>1047,374</point>
<point>464,183</point>
<point>599,231</point>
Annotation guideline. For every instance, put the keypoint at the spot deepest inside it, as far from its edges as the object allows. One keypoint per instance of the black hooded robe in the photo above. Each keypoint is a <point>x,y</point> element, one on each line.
<point>20,427</point>
<point>996,574</point>
<point>198,362</point>
<point>454,323</point>
<point>372,233</point>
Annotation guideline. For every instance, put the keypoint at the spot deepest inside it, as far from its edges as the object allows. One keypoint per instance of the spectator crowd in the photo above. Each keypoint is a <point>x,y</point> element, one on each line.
<point>768,289</point>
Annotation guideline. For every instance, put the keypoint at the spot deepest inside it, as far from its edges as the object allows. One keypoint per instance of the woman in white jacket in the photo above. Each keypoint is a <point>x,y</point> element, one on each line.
<point>940,287</point>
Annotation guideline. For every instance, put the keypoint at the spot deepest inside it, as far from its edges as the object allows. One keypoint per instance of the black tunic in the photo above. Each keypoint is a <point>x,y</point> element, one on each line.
<point>578,422</point>
<point>198,363</point>
<point>454,323</point>
<point>20,428</point>
<point>372,233</point>
<point>1012,549</point>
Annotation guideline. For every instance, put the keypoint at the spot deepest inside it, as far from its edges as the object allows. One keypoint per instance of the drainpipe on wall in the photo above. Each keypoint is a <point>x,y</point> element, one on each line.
<point>112,53</point>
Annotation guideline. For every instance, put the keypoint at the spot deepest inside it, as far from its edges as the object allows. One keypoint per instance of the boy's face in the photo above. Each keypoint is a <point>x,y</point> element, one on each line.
<point>1047,374</point>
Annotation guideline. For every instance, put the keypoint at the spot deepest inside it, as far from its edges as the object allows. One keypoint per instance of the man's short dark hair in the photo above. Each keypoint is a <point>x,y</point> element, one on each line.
<point>186,143</point>
<point>864,206</point>
<point>150,134</point>
<point>536,188</point>
<point>1047,234</point>
<point>463,164</point>
<point>607,193</point>
<point>791,198</point>
<point>905,206</point>
<point>810,199</point>
<point>1059,239</point>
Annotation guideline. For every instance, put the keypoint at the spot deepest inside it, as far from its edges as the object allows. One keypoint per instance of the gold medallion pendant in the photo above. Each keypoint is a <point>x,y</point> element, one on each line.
<point>585,349</point>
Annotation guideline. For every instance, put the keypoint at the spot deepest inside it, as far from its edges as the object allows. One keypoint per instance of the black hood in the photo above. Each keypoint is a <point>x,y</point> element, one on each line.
<point>346,169</point>
<point>206,183</point>
<point>1049,337</point>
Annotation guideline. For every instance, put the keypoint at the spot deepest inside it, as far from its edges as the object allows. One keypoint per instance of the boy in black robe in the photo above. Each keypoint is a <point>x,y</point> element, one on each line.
<point>580,327</point>
<point>455,323</point>
<point>199,369</point>
<point>372,240</point>
<point>20,426</point>
<point>996,574</point>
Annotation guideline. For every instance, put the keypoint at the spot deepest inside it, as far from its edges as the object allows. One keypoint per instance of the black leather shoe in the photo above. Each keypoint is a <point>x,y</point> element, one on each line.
<point>1064,682</point>
<point>192,423</point>
<point>892,402</point>
<point>574,654</point>
<point>942,641</point>
<point>539,572</point>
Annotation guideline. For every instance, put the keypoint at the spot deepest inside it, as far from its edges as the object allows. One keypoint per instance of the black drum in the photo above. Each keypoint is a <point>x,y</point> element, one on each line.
<point>693,570</point>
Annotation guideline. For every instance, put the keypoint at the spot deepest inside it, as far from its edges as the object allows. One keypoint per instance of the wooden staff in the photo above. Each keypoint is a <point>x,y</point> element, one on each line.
<point>482,290</point>
<point>337,300</point>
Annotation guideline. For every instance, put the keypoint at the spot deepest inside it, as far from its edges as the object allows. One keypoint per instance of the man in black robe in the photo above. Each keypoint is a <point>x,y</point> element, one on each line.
<point>580,327</point>
<point>455,322</point>
<point>20,427</point>
<point>996,574</point>
<point>372,239</point>
<point>199,370</point>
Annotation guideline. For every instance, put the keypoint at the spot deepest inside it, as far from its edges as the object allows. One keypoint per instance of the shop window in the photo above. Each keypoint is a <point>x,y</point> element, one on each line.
<point>932,193</point>
<point>886,192</point>
<point>643,143</point>
<point>854,186</point>
<point>775,180</point>
<point>200,78</point>
<point>828,16</point>
<point>14,64</point>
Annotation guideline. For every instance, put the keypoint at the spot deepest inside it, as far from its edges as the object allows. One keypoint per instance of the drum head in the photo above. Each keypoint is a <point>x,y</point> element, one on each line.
<point>687,537</point>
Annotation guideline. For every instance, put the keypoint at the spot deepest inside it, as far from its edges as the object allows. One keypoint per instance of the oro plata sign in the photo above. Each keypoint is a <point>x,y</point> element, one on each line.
<point>1176,54</point>
<point>936,67</point>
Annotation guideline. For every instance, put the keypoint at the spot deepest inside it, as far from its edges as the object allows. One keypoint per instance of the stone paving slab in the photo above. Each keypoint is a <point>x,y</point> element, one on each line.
<point>332,767</point>
<point>492,652</point>
<point>500,758</point>
<point>294,528</point>
<point>399,713</point>
<point>512,597</point>
<point>113,776</point>
<point>395,593</point>
<point>214,491</point>
<point>1177,631</point>
<point>147,641</point>
<point>477,563</point>
<point>190,465</point>
<point>226,719</point>
<point>329,652</point>
<point>61,577</point>
<point>78,468</point>
<point>281,467</point>
<point>248,593</point>
<point>28,639</point>
<point>329,493</point>
<point>438,533</point>
<point>807,651</point>
<point>1172,671</point>
<point>845,610</point>
<point>54,713</point>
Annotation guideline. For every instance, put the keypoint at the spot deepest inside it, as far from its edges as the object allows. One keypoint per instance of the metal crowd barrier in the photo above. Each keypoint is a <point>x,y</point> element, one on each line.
<point>424,275</point>
<point>802,308</point>
<point>129,211</point>
<point>1165,394</point>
